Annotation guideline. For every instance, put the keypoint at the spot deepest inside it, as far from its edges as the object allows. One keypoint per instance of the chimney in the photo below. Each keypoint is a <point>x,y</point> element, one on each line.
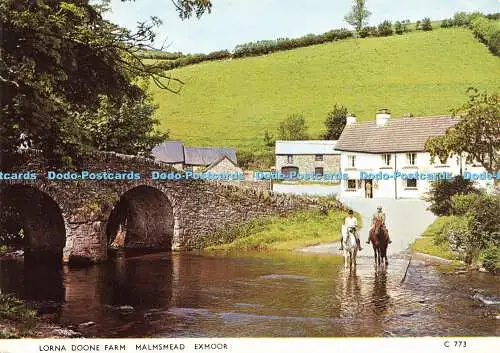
<point>382,117</point>
<point>350,119</point>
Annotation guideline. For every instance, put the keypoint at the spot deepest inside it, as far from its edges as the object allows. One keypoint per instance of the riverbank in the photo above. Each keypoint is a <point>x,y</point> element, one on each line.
<point>17,320</point>
<point>434,244</point>
<point>295,231</point>
<point>429,245</point>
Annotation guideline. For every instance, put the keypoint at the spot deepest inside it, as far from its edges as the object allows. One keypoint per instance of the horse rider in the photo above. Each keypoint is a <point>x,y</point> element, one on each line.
<point>379,216</point>
<point>351,223</point>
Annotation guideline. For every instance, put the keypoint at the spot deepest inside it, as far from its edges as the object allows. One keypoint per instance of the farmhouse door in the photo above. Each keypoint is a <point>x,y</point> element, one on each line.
<point>290,172</point>
<point>369,189</point>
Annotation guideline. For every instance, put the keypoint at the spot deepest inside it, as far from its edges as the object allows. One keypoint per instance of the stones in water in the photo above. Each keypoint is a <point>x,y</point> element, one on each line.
<point>485,300</point>
<point>86,324</point>
<point>126,309</point>
<point>64,332</point>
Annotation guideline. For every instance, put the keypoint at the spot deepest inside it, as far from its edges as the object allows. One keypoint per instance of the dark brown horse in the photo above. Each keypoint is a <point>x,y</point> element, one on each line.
<point>379,241</point>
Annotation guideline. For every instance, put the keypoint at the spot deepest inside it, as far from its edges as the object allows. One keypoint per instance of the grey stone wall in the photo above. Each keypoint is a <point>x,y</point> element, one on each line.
<point>307,163</point>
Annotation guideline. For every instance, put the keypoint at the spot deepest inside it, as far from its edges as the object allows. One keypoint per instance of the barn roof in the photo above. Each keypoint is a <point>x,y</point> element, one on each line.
<point>169,152</point>
<point>204,156</point>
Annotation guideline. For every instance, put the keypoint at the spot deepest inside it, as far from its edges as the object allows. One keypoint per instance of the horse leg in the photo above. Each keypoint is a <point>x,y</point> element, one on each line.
<point>345,258</point>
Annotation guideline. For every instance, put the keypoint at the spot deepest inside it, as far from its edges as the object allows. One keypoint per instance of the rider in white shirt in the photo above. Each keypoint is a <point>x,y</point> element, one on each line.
<point>351,222</point>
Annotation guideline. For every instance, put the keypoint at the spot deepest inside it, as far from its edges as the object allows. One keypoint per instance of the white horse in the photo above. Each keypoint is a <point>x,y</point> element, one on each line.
<point>350,247</point>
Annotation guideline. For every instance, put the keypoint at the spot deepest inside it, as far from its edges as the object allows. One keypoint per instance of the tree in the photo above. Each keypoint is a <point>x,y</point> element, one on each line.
<point>358,15</point>
<point>477,133</point>
<point>368,31</point>
<point>186,8</point>
<point>401,27</point>
<point>335,122</point>
<point>269,139</point>
<point>59,58</point>
<point>461,19</point>
<point>426,24</point>
<point>293,128</point>
<point>385,29</point>
<point>398,27</point>
<point>112,125</point>
<point>442,191</point>
<point>446,23</point>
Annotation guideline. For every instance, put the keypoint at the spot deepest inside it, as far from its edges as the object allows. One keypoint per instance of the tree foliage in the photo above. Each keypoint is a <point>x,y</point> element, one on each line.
<point>59,59</point>
<point>426,24</point>
<point>186,8</point>
<point>385,29</point>
<point>111,126</point>
<point>269,139</point>
<point>442,191</point>
<point>477,133</point>
<point>475,225</point>
<point>293,128</point>
<point>335,122</point>
<point>358,17</point>
<point>401,27</point>
<point>488,32</point>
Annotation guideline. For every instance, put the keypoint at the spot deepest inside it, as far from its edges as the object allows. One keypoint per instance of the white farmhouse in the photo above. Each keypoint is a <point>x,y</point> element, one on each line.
<point>372,152</point>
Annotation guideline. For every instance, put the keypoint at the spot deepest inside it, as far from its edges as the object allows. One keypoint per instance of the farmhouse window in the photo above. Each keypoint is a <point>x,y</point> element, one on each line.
<point>412,158</point>
<point>386,159</point>
<point>351,161</point>
<point>318,157</point>
<point>411,183</point>
<point>289,159</point>
<point>351,184</point>
<point>318,171</point>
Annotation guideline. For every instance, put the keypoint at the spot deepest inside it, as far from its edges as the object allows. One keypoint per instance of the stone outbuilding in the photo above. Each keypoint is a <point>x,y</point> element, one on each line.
<point>307,157</point>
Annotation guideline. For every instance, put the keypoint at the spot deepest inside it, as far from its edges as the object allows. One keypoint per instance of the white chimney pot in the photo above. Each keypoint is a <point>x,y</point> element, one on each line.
<point>382,117</point>
<point>350,120</point>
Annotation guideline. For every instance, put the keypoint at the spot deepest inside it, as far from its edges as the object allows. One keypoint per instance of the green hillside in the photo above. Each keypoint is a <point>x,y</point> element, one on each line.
<point>231,103</point>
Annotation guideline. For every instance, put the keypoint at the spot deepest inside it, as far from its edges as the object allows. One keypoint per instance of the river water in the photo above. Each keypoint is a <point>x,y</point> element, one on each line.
<point>256,295</point>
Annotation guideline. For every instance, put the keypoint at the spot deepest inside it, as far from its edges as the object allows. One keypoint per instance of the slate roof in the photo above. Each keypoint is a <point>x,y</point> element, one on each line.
<point>398,135</point>
<point>220,159</point>
<point>306,147</point>
<point>204,156</point>
<point>169,152</point>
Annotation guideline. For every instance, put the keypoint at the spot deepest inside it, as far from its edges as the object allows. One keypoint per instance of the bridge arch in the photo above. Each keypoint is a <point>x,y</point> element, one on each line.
<point>143,217</point>
<point>33,220</point>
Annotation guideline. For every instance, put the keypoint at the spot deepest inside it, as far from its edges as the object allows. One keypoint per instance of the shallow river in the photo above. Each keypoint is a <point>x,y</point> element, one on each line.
<point>256,295</point>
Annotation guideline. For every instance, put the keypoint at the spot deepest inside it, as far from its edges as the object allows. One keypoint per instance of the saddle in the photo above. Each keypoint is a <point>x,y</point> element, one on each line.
<point>375,228</point>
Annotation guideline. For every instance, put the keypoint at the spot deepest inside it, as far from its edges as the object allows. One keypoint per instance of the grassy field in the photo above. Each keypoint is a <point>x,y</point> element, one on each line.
<point>231,103</point>
<point>293,232</point>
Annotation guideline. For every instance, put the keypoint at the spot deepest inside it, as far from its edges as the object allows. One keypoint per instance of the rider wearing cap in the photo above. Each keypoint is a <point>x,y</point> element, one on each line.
<point>351,223</point>
<point>379,215</point>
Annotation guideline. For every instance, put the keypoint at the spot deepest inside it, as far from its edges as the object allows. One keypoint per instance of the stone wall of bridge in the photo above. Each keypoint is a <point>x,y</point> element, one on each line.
<point>153,214</point>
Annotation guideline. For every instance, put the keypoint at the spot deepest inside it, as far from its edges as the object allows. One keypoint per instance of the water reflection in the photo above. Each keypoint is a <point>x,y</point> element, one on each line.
<point>380,298</point>
<point>256,295</point>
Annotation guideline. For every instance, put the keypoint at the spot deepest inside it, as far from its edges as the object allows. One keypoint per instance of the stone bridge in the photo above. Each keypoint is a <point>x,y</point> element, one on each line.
<point>77,220</point>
